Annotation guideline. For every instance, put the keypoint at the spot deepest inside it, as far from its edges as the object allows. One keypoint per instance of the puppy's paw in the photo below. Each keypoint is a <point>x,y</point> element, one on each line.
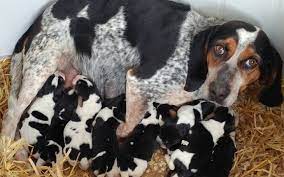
<point>22,155</point>
<point>99,165</point>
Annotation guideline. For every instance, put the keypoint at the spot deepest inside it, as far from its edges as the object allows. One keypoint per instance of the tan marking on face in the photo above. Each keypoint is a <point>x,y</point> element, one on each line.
<point>230,44</point>
<point>247,53</point>
<point>250,78</point>
<point>212,61</point>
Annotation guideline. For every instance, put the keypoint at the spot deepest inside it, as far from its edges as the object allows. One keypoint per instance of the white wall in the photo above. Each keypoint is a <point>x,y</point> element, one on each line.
<point>16,16</point>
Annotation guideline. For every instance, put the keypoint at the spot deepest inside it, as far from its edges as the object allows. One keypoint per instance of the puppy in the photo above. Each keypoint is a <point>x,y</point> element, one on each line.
<point>221,160</point>
<point>78,131</point>
<point>105,143</point>
<point>174,127</point>
<point>52,150</point>
<point>35,123</point>
<point>202,141</point>
<point>136,151</point>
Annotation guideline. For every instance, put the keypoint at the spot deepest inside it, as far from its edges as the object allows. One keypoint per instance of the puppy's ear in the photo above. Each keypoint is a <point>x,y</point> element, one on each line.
<point>197,64</point>
<point>270,78</point>
<point>156,105</point>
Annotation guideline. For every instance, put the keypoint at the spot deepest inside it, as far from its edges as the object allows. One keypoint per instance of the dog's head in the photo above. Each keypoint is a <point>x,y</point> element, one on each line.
<point>226,58</point>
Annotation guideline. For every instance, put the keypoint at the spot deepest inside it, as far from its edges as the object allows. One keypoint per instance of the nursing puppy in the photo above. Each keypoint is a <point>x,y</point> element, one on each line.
<point>177,56</point>
<point>174,127</point>
<point>130,157</point>
<point>52,150</point>
<point>204,145</point>
<point>105,143</point>
<point>35,123</point>
<point>137,150</point>
<point>78,131</point>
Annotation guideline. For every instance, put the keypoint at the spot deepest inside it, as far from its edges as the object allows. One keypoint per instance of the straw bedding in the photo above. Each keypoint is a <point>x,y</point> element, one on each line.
<point>260,142</point>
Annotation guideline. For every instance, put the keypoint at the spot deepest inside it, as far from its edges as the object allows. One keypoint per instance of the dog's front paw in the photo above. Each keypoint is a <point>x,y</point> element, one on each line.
<point>122,130</point>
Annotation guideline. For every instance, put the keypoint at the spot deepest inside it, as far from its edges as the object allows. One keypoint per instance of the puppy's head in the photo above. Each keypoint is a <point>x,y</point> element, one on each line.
<point>55,84</point>
<point>118,105</point>
<point>85,88</point>
<point>225,59</point>
<point>168,112</point>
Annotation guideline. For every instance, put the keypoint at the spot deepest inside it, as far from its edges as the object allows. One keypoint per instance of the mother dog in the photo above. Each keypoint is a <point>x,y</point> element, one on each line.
<point>152,50</point>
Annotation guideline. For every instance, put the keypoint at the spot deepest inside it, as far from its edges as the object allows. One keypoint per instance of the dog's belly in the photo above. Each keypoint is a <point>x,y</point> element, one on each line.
<point>112,56</point>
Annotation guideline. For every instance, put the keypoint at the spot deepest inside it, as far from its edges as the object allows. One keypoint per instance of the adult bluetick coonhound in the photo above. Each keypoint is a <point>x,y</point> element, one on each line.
<point>152,50</point>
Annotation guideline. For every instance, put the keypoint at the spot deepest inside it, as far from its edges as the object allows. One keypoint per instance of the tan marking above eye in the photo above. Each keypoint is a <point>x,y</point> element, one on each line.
<point>248,53</point>
<point>212,62</point>
<point>231,44</point>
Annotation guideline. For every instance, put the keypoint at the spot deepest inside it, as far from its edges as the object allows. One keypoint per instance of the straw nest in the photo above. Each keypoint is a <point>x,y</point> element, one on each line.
<point>260,142</point>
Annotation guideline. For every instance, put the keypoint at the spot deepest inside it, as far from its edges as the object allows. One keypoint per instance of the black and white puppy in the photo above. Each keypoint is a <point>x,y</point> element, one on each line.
<point>202,136</point>
<point>78,131</point>
<point>35,123</point>
<point>174,127</point>
<point>64,111</point>
<point>105,143</point>
<point>137,150</point>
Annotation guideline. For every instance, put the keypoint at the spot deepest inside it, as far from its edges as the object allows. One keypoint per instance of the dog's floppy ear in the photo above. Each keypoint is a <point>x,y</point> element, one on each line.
<point>197,64</point>
<point>271,72</point>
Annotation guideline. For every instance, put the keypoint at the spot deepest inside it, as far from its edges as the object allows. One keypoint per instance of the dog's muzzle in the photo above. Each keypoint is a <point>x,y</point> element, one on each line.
<point>220,88</point>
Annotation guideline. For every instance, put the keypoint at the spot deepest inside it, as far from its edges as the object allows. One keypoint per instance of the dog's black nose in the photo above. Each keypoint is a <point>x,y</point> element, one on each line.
<point>218,93</point>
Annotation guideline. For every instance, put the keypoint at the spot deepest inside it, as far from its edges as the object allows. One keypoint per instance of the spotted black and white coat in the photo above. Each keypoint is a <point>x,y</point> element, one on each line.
<point>105,143</point>
<point>35,123</point>
<point>151,50</point>
<point>78,131</point>
<point>199,139</point>
<point>52,150</point>
<point>137,150</point>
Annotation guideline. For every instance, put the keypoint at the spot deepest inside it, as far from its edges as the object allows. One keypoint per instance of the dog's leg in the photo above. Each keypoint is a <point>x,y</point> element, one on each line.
<point>16,68</point>
<point>36,69</point>
<point>136,106</point>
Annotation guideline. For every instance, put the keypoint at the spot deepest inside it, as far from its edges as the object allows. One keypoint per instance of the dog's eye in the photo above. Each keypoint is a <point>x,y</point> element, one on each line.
<point>219,50</point>
<point>250,63</point>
